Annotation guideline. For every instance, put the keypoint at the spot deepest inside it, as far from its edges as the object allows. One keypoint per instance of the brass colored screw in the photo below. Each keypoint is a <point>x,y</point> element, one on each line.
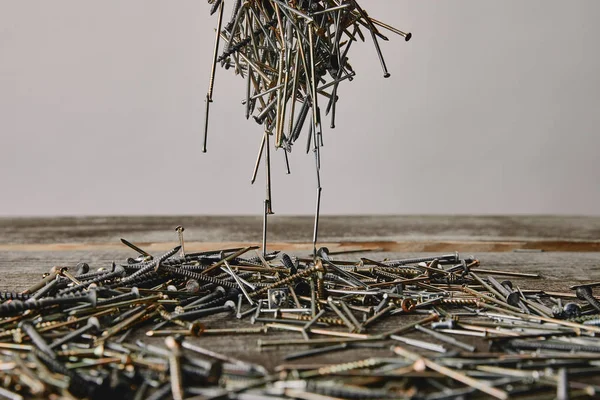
<point>177,389</point>
<point>309,271</point>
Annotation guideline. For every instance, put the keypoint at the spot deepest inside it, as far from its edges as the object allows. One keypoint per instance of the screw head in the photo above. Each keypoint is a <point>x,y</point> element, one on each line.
<point>82,268</point>
<point>220,289</point>
<point>93,297</point>
<point>172,343</point>
<point>513,299</point>
<point>572,310</point>
<point>229,304</point>
<point>93,321</point>
<point>196,329</point>
<point>582,292</point>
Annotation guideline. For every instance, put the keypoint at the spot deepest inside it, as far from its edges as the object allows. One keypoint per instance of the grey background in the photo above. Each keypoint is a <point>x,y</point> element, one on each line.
<point>492,108</point>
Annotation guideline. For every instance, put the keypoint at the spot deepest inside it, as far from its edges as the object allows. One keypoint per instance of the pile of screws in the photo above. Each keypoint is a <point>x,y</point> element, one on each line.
<point>446,328</point>
<point>291,53</point>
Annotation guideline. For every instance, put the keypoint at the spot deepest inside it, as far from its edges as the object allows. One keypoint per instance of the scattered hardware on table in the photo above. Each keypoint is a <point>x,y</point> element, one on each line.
<point>458,330</point>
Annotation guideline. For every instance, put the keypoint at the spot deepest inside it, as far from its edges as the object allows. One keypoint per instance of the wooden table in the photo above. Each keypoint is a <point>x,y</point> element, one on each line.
<point>563,250</point>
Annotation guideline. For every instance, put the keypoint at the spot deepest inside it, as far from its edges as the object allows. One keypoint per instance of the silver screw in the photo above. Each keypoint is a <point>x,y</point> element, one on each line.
<point>179,231</point>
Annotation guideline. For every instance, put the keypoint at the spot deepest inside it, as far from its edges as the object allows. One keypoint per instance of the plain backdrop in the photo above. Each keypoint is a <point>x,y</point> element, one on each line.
<point>492,108</point>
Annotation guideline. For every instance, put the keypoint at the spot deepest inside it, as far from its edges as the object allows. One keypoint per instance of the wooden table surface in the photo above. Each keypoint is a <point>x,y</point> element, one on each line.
<point>563,250</point>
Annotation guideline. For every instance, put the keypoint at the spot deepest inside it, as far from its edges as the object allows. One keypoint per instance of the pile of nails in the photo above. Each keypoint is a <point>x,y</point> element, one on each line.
<point>443,327</point>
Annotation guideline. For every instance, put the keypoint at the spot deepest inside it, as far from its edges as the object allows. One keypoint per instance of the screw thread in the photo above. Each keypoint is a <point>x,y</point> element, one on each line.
<point>149,279</point>
<point>289,279</point>
<point>118,272</point>
<point>200,277</point>
<point>14,296</point>
<point>78,386</point>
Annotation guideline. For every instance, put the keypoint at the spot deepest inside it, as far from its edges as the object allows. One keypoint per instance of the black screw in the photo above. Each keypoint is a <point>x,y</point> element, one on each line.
<point>217,293</point>
<point>82,268</point>
<point>37,339</point>
<point>78,386</point>
<point>118,272</point>
<point>585,293</point>
<point>16,306</point>
<point>289,264</point>
<point>134,293</point>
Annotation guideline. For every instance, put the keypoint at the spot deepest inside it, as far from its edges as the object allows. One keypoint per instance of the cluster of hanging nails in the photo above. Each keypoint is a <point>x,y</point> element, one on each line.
<point>292,54</point>
<point>444,326</point>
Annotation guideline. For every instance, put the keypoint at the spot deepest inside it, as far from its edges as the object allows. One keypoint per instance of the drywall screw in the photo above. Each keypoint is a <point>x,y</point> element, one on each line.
<point>217,293</point>
<point>134,293</point>
<point>16,306</point>
<point>289,264</point>
<point>14,296</point>
<point>150,266</point>
<point>585,293</point>
<point>118,272</point>
<point>179,231</point>
<point>36,338</point>
<point>92,324</point>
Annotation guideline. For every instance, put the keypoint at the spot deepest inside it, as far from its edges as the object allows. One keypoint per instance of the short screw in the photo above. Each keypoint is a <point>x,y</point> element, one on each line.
<point>179,231</point>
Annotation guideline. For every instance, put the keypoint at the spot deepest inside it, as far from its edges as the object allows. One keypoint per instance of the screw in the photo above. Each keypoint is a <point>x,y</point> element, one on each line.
<point>36,338</point>
<point>177,389</point>
<point>192,286</point>
<point>192,315</point>
<point>179,231</point>
<point>16,306</point>
<point>585,293</point>
<point>289,279</point>
<point>118,272</point>
<point>134,293</point>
